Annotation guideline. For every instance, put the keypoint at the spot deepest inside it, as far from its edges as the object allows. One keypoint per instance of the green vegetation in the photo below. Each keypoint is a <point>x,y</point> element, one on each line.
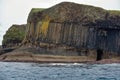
<point>33,14</point>
<point>36,10</point>
<point>114,12</point>
<point>14,35</point>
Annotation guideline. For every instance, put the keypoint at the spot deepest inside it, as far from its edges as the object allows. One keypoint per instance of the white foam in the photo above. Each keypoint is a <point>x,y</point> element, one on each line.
<point>64,64</point>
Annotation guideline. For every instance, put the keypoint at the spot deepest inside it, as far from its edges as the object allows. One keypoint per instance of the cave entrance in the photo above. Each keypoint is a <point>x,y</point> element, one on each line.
<point>99,54</point>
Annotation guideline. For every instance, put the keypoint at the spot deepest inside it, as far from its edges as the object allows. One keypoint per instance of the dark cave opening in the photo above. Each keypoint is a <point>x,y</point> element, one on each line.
<point>99,54</point>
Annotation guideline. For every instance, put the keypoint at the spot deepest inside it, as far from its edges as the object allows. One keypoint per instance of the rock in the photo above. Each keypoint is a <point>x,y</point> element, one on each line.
<point>81,26</point>
<point>63,14</point>
<point>83,29</point>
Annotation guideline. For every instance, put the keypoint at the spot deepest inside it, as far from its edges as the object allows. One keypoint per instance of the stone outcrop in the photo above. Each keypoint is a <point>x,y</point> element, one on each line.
<point>76,29</point>
<point>80,26</point>
<point>14,36</point>
<point>63,14</point>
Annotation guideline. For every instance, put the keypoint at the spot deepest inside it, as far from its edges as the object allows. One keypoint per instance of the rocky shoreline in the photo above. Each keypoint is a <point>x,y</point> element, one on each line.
<point>31,54</point>
<point>37,58</point>
<point>85,62</point>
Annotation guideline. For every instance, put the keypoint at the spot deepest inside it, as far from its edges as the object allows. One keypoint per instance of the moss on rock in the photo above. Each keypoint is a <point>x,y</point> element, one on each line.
<point>14,36</point>
<point>34,12</point>
<point>114,12</point>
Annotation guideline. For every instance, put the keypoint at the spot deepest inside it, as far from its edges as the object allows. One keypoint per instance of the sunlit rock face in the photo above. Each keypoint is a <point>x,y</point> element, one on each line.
<point>14,36</point>
<point>85,29</point>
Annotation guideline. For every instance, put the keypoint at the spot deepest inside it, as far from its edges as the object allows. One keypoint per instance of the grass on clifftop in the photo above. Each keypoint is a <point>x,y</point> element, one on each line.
<point>114,12</point>
<point>33,12</point>
<point>15,34</point>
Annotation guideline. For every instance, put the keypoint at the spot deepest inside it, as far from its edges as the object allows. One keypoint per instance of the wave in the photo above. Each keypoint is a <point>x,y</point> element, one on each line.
<point>65,64</point>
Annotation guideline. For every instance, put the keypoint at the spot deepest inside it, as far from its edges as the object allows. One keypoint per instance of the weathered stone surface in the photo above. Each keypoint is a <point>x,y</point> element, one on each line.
<point>63,13</point>
<point>91,31</point>
<point>14,36</point>
<point>76,25</point>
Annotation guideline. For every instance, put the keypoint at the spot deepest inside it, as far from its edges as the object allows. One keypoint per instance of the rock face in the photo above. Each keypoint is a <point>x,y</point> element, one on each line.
<point>63,14</point>
<point>74,28</point>
<point>80,26</point>
<point>14,36</point>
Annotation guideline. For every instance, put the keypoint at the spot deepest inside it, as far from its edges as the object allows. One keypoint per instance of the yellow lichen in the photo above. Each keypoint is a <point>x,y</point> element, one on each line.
<point>44,26</point>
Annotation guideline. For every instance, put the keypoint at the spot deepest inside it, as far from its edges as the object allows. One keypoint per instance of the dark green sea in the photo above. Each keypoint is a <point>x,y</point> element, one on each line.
<point>58,71</point>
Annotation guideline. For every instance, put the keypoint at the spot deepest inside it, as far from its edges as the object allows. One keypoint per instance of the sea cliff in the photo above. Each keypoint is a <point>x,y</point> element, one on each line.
<point>71,29</point>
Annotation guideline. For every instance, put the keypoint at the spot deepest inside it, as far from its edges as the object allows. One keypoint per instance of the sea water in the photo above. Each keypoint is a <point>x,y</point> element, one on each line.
<point>58,71</point>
